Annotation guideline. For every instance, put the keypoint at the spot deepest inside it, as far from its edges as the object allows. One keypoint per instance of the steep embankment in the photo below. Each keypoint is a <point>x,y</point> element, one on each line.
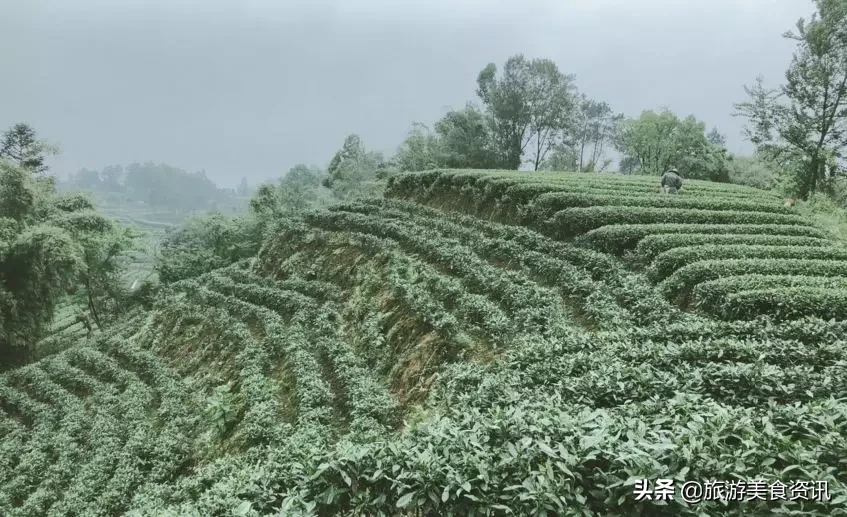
<point>389,357</point>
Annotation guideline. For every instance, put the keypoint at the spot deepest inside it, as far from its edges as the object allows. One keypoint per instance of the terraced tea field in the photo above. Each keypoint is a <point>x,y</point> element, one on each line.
<point>474,344</point>
<point>709,232</point>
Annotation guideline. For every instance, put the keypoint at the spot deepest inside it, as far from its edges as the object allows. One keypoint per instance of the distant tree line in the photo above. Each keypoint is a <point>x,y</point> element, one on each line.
<point>159,186</point>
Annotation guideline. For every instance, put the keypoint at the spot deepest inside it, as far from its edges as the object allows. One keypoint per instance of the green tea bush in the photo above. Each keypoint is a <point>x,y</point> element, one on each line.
<point>786,303</point>
<point>669,261</point>
<point>683,280</point>
<point>385,357</point>
<point>710,296</point>
<point>481,191</point>
<point>575,221</point>
<point>545,205</point>
<point>652,245</point>
<point>618,238</point>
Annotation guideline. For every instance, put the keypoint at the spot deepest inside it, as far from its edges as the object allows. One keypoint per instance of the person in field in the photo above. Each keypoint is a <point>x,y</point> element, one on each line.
<point>81,317</point>
<point>671,181</point>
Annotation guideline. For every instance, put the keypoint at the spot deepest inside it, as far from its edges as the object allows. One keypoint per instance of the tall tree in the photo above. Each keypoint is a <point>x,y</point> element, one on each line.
<point>102,245</point>
<point>802,125</point>
<point>551,100</point>
<point>21,146</point>
<point>350,156</point>
<point>716,138</point>
<point>655,141</point>
<point>86,179</point>
<point>466,140</point>
<point>596,127</point>
<point>353,171</point>
<point>112,178</point>
<point>49,246</point>
<point>243,188</point>
<point>531,102</point>
<point>505,101</point>
<point>421,150</point>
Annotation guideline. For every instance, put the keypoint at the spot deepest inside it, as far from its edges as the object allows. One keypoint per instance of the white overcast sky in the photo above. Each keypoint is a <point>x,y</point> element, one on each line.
<point>251,88</point>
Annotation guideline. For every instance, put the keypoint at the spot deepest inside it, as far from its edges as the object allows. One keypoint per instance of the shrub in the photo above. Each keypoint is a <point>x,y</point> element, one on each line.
<point>574,221</point>
<point>751,171</point>
<point>617,238</point>
<point>495,183</point>
<point>549,203</point>
<point>684,279</point>
<point>710,296</point>
<point>652,245</point>
<point>207,242</point>
<point>786,303</point>
<point>669,261</point>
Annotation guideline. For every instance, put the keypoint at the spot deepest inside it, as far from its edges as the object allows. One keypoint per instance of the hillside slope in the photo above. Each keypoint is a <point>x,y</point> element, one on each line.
<point>416,356</point>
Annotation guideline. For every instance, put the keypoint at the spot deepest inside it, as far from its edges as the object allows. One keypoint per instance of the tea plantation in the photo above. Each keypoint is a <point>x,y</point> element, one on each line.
<point>473,343</point>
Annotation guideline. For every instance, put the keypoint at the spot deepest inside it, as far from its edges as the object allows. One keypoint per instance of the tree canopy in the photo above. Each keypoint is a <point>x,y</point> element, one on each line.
<point>157,185</point>
<point>354,171</point>
<point>530,105</point>
<point>802,124</point>
<point>658,140</point>
<point>49,245</point>
<point>21,146</point>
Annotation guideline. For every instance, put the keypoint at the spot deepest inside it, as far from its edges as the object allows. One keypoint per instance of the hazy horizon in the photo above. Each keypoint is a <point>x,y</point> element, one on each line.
<point>252,88</point>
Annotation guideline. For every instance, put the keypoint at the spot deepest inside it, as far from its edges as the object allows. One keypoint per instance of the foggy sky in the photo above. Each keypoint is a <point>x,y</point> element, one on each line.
<point>251,88</point>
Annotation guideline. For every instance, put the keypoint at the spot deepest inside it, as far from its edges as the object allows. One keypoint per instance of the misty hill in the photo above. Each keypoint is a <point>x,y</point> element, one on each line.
<point>158,187</point>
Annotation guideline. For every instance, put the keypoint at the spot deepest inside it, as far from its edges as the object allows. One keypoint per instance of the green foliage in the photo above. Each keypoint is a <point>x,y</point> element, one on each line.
<point>466,139</point>
<point>683,280</point>
<point>292,194</point>
<point>657,141</point>
<point>531,102</point>
<point>21,146</point>
<point>421,150</point>
<point>221,410</point>
<point>205,243</point>
<point>595,127</point>
<point>103,244</point>
<point>156,185</point>
<point>39,266</point>
<point>574,221</point>
<point>753,172</point>
<point>545,205</point>
<point>17,195</point>
<point>617,238</point>
<point>353,171</point>
<point>524,199</point>
<point>462,139</point>
<point>385,357</point>
<point>786,303</point>
<point>50,245</point>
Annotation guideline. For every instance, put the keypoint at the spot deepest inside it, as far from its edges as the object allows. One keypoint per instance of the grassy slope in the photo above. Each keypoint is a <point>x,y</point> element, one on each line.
<point>382,355</point>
